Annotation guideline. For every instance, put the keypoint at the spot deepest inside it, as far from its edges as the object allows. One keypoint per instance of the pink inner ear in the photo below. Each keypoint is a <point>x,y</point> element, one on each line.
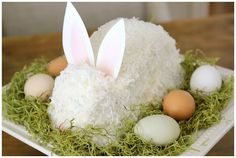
<point>78,45</point>
<point>76,42</point>
<point>110,61</point>
<point>111,51</point>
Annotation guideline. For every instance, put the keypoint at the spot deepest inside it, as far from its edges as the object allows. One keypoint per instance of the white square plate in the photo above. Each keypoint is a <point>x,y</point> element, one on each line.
<point>206,139</point>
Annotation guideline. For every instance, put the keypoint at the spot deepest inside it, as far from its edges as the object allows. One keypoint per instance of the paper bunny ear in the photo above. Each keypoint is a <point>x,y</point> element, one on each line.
<point>111,51</point>
<point>76,42</point>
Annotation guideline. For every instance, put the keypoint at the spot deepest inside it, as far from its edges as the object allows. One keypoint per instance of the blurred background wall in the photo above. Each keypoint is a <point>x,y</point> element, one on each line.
<point>42,17</point>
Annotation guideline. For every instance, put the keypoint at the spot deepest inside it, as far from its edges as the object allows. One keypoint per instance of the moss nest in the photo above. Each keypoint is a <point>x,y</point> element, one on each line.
<point>32,114</point>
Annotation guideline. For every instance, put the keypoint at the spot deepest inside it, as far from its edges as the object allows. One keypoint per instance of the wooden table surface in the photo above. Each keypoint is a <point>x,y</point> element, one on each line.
<point>214,35</point>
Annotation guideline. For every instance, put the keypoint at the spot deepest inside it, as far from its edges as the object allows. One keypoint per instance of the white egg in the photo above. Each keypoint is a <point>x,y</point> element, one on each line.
<point>39,85</point>
<point>157,129</point>
<point>205,78</point>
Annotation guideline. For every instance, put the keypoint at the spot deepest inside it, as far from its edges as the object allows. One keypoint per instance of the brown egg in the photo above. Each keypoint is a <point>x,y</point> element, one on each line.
<point>57,65</point>
<point>179,104</point>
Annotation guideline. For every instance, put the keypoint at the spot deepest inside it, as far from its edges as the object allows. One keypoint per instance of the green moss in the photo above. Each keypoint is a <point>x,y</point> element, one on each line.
<point>32,113</point>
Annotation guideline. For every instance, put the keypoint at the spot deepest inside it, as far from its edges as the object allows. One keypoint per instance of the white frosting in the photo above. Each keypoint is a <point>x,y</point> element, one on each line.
<point>86,95</point>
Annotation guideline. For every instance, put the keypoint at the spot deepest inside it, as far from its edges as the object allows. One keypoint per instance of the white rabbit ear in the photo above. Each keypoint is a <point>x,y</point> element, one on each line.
<point>111,51</point>
<point>75,39</point>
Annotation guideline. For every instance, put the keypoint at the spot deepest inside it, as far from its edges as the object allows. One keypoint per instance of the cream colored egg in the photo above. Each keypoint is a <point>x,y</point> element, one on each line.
<point>206,78</point>
<point>39,85</point>
<point>157,129</point>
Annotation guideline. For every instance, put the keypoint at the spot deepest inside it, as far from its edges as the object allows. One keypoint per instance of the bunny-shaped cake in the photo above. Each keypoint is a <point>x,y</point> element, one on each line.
<point>136,62</point>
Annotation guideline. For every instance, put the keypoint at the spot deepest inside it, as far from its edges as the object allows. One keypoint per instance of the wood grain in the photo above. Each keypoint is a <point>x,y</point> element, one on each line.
<point>214,35</point>
<point>221,7</point>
